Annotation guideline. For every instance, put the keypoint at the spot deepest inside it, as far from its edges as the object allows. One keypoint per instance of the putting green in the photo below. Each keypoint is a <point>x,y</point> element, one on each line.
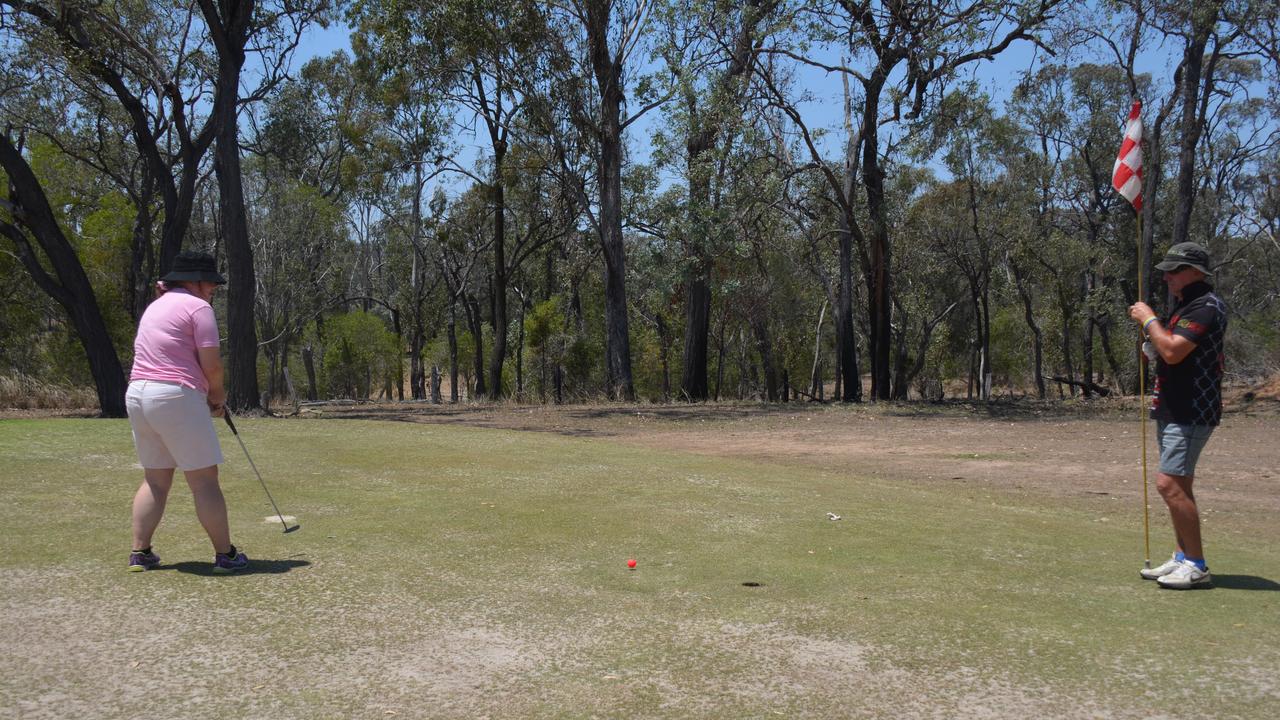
<point>446,571</point>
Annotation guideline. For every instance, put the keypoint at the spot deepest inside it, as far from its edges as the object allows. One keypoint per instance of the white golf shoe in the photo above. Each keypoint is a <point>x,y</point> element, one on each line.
<point>1159,571</point>
<point>1186,577</point>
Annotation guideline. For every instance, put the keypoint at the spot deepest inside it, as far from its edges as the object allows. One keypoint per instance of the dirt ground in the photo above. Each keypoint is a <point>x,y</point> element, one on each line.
<point>1080,450</point>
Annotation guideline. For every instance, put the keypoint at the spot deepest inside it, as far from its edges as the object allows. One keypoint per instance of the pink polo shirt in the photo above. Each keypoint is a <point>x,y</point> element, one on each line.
<point>173,326</point>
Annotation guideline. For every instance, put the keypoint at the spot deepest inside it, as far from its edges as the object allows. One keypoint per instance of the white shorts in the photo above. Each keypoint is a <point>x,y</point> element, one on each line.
<point>172,427</point>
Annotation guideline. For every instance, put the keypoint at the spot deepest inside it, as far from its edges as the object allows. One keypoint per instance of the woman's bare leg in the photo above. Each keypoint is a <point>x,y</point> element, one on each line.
<point>211,508</point>
<point>148,505</point>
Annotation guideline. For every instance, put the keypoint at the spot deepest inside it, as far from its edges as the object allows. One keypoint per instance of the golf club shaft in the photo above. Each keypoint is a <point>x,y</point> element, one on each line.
<point>226,414</point>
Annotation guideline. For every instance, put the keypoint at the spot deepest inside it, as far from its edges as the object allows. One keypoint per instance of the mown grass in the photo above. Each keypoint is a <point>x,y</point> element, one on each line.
<point>454,572</point>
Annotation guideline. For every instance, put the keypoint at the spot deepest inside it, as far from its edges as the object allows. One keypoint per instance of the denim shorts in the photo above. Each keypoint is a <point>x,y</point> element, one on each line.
<point>1180,446</point>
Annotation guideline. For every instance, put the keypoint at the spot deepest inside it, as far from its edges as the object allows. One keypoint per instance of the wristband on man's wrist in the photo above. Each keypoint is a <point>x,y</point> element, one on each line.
<point>1147,324</point>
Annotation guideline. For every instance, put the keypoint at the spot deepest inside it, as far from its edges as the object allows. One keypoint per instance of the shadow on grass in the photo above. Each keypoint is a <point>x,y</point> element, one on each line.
<point>1244,582</point>
<point>256,567</point>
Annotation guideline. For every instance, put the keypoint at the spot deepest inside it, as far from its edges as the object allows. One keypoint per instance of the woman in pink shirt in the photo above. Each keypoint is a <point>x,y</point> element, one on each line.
<point>175,389</point>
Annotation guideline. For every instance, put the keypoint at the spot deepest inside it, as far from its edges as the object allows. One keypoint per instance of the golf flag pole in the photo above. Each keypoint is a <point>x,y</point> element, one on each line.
<point>1142,413</point>
<point>1126,177</point>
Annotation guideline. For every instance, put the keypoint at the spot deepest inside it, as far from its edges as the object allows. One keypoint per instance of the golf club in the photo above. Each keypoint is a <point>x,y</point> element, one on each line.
<point>226,415</point>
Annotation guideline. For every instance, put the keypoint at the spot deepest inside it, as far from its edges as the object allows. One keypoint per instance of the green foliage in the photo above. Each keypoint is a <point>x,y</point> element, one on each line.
<point>1010,339</point>
<point>646,364</point>
<point>1253,346</point>
<point>541,322</point>
<point>360,354</point>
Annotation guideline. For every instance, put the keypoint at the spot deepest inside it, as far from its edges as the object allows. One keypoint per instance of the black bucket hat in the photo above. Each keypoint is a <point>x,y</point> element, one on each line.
<point>1186,253</point>
<point>192,266</point>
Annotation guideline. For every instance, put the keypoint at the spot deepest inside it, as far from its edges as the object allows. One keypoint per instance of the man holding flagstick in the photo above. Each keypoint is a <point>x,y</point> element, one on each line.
<point>1187,401</point>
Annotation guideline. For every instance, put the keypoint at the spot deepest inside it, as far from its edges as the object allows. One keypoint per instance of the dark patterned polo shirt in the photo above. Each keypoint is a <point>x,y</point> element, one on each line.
<point>1190,393</point>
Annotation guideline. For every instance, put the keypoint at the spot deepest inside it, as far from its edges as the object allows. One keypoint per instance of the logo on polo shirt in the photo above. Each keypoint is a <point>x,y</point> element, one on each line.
<point>1194,327</point>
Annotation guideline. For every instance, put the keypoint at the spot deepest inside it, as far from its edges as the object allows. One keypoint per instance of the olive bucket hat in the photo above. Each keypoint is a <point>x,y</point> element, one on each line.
<point>1186,253</point>
<point>192,266</point>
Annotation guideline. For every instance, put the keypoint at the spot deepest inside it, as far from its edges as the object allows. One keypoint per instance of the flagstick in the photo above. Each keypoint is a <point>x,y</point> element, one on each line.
<point>1142,410</point>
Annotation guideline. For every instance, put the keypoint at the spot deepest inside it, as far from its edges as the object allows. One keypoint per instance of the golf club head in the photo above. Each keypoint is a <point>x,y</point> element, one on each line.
<point>288,530</point>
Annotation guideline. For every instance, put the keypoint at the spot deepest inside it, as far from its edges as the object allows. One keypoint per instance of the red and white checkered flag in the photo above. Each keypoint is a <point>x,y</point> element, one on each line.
<point>1126,177</point>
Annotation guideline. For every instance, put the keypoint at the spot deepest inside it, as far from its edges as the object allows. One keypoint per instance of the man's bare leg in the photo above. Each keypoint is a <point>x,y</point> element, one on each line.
<point>1177,494</point>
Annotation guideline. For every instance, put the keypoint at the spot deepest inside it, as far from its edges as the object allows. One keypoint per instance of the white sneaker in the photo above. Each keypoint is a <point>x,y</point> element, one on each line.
<point>1186,576</point>
<point>1160,571</point>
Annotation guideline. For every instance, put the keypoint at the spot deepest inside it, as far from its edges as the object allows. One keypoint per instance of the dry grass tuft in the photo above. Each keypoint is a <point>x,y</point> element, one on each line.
<point>23,392</point>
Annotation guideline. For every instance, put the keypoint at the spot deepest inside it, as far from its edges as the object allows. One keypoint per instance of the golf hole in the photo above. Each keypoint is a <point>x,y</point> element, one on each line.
<point>752,583</point>
<point>276,519</point>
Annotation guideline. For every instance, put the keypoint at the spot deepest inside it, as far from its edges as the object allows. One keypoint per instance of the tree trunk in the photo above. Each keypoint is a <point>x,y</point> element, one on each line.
<point>476,323</point>
<point>1067,317</point>
<point>309,364</point>
<point>520,354</point>
<point>453,349</point>
<point>1104,333</point>
<point>900,380</point>
<point>814,376</point>
<point>873,180</point>
<point>1028,314</point>
<point>1088,356</point>
<point>985,329</point>
<point>498,356</point>
<point>142,254</point>
<point>71,289</point>
<point>922,351</point>
<point>417,334</point>
<point>664,353</point>
<point>1203,18</point>
<point>706,128</point>
<point>719,362</point>
<point>760,324</point>
<point>846,343</point>
<point>608,72</point>
<point>229,26</point>
<point>693,379</point>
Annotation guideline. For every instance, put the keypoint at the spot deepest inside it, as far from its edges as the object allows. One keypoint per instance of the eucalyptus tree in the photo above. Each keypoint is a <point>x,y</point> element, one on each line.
<point>927,290</point>
<point>476,52</point>
<point>93,133</point>
<point>708,48</point>
<point>129,57</point>
<point>299,252</point>
<point>152,61</point>
<point>26,215</point>
<point>148,62</point>
<point>463,247</point>
<point>306,137</point>
<point>401,144</point>
<point>896,54</point>
<point>757,227</point>
<point>972,141</point>
<point>778,86</point>
<point>1208,43</point>
<point>269,31</point>
<point>593,45</point>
